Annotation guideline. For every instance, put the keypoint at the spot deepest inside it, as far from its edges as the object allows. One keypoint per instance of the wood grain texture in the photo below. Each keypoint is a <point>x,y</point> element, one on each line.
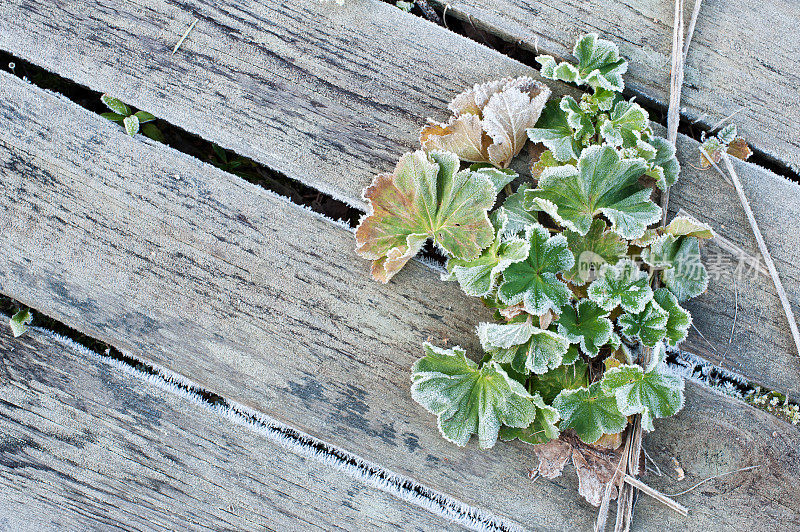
<point>733,66</point>
<point>263,302</point>
<point>329,95</point>
<point>87,446</point>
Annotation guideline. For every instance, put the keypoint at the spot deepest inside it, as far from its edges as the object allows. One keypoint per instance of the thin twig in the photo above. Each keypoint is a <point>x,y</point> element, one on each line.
<point>762,246</point>
<point>722,121</point>
<point>183,37</point>
<point>657,495</point>
<point>684,492</point>
<point>692,23</point>
<point>704,338</point>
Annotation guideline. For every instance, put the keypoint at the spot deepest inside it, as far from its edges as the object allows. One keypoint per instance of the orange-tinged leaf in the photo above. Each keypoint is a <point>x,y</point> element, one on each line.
<point>426,197</point>
<point>463,135</point>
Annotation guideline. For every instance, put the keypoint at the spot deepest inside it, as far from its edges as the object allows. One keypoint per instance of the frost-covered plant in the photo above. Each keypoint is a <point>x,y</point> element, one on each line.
<point>727,140</point>
<point>20,322</point>
<point>581,279</point>
<point>131,121</point>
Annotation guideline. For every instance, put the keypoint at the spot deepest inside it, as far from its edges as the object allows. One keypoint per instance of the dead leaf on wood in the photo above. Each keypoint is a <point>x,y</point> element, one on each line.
<point>489,121</point>
<point>595,466</point>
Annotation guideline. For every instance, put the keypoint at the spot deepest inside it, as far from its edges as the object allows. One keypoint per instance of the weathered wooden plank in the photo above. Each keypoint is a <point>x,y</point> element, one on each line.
<point>333,117</point>
<point>265,303</point>
<point>733,65</point>
<point>87,446</point>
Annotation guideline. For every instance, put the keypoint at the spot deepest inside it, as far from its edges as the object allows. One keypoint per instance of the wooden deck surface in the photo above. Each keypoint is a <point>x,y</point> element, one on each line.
<point>264,303</point>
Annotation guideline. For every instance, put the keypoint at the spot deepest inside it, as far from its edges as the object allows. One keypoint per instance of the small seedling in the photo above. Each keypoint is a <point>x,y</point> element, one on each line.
<point>131,121</point>
<point>20,322</point>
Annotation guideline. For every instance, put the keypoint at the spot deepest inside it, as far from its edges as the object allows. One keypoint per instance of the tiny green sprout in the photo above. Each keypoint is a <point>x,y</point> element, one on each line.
<point>405,6</point>
<point>131,121</point>
<point>20,322</point>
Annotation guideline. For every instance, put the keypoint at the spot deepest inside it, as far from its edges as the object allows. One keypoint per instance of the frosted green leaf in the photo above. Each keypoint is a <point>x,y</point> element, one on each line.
<point>533,281</point>
<point>115,105</point>
<point>624,125</point>
<point>20,321</point>
<point>679,318</point>
<point>523,345</point>
<point>564,377</point>
<point>688,226</point>
<point>467,399</point>
<point>512,216</point>
<point>592,250</point>
<point>727,140</point>
<point>131,124</point>
<point>425,198</point>
<point>591,412</point>
<point>728,133</point>
<point>649,325</point>
<point>578,120</point>
<point>553,130</point>
<point>683,271</point>
<point>114,117</point>
<point>479,277</point>
<point>652,394</point>
<point>587,325</point>
<point>664,166</point>
<point>546,160</point>
<point>599,65</point>
<point>601,184</point>
<point>542,430</point>
<point>600,100</point>
<point>144,117</point>
<point>624,285</point>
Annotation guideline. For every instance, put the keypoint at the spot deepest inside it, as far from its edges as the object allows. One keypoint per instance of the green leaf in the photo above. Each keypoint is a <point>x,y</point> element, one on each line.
<point>131,124</point>
<point>114,117</point>
<point>568,376</point>
<point>20,321</point>
<point>115,105</point>
<point>523,345</point>
<point>479,277</point>
<point>652,394</point>
<point>542,430</point>
<point>684,273</point>
<point>152,132</point>
<point>624,285</point>
<point>500,177</point>
<point>625,124</point>
<point>533,281</point>
<point>688,226</point>
<point>425,198</point>
<point>599,65</point>
<point>587,325</point>
<point>553,130</point>
<point>664,166</point>
<point>592,250</point>
<point>580,122</point>
<point>512,216</point>
<point>467,399</point>
<point>601,184</point>
<point>591,412</point>
<point>679,318</point>
<point>649,325</point>
<point>144,117</point>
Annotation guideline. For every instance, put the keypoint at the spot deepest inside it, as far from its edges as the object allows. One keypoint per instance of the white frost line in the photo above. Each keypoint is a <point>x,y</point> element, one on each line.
<point>307,446</point>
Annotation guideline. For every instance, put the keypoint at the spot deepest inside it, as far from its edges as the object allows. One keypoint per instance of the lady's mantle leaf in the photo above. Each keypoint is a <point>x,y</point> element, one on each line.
<point>554,131</point>
<point>564,377</point>
<point>467,399</point>
<point>599,65</point>
<point>20,321</point>
<point>534,280</point>
<point>512,216</point>
<point>115,105</point>
<point>580,122</point>
<point>592,250</point>
<point>664,166</point>
<point>588,325</point>
<point>542,430</point>
<point>523,345</point>
<point>649,325</point>
<point>478,277</point>
<point>684,273</point>
<point>624,125</point>
<point>602,183</point>
<point>679,318</point>
<point>591,412</point>
<point>688,226</point>
<point>425,198</point>
<point>624,285</point>
<point>489,121</point>
<point>652,394</point>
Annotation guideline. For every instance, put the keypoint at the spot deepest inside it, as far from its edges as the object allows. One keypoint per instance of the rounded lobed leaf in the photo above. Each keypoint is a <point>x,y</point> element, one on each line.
<point>586,324</point>
<point>649,325</point>
<point>624,285</point>
<point>591,412</point>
